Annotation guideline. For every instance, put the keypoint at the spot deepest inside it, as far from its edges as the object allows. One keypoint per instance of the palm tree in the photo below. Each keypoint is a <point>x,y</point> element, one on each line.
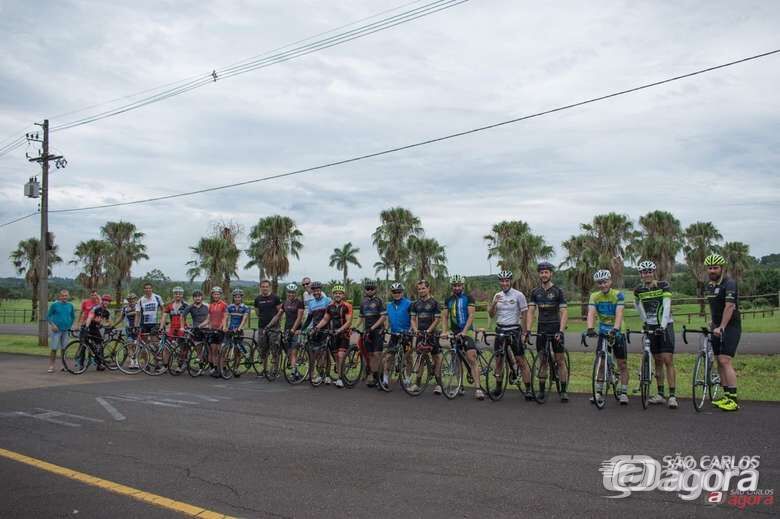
<point>25,261</point>
<point>384,266</point>
<point>343,257</point>
<point>518,250</point>
<point>428,258</point>
<point>700,240</point>
<point>391,237</point>
<point>613,234</point>
<point>272,239</point>
<point>125,247</point>
<point>91,255</point>
<point>216,256</point>
<point>660,240</point>
<point>581,260</point>
<point>738,258</point>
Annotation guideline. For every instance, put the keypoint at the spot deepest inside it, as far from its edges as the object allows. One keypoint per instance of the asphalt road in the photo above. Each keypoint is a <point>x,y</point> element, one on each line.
<point>253,449</point>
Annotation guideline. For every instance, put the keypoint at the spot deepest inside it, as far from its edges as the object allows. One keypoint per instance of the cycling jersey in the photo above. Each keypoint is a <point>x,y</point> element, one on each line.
<point>458,310</point>
<point>654,303</point>
<point>217,314</point>
<point>549,301</point>
<point>267,307</point>
<point>371,309</point>
<point>399,315</point>
<point>720,293</point>
<point>426,311</point>
<point>176,313</point>
<point>291,309</point>
<point>130,316</point>
<point>509,306</point>
<point>148,308</point>
<point>86,307</point>
<point>99,314</point>
<point>199,313</point>
<point>236,314</point>
<point>340,314</point>
<point>606,306</point>
<point>317,308</point>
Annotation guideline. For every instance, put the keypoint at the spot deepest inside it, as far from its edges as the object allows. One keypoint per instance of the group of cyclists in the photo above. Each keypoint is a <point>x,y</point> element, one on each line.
<point>326,321</point>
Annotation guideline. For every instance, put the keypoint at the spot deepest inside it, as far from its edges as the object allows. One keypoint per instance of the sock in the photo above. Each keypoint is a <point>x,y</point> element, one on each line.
<point>527,387</point>
<point>661,389</point>
<point>623,389</point>
<point>599,387</point>
<point>542,383</point>
<point>385,380</point>
<point>563,386</point>
<point>671,391</point>
<point>731,392</point>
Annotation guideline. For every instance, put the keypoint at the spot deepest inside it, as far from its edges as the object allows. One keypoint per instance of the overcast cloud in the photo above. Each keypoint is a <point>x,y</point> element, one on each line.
<point>706,148</point>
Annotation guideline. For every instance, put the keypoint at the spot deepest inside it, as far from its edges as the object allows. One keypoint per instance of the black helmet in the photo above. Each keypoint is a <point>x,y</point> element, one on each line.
<point>545,265</point>
<point>369,283</point>
<point>315,285</point>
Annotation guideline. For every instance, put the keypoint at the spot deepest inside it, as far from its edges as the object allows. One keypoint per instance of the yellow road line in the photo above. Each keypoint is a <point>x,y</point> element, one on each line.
<point>140,495</point>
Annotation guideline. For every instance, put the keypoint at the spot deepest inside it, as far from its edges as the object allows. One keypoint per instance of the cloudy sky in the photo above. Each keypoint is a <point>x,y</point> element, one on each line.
<point>705,148</point>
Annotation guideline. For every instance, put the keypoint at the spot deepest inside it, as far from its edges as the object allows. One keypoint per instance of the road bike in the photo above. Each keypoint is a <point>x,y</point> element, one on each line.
<point>455,364</point>
<point>296,363</point>
<point>88,349</point>
<point>235,354</point>
<point>605,373</point>
<point>501,373</point>
<point>546,360</point>
<point>400,368</point>
<point>706,378</point>
<point>422,370</point>
<point>273,354</point>
<point>646,365</point>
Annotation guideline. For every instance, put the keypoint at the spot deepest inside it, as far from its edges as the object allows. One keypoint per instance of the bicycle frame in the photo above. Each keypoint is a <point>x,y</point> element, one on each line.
<point>604,368</point>
<point>705,379</point>
<point>646,367</point>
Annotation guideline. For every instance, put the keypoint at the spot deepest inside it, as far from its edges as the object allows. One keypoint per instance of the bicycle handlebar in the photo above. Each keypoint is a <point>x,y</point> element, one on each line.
<point>685,331</point>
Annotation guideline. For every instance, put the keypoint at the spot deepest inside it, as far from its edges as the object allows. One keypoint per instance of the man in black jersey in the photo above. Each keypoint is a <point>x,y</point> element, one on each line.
<point>269,310</point>
<point>372,320</point>
<point>426,314</point>
<point>293,318</point>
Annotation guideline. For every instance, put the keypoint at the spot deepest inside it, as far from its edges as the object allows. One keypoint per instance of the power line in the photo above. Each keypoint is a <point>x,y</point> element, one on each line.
<point>19,219</point>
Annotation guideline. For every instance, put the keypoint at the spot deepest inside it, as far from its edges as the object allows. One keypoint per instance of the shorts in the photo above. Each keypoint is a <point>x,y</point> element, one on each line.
<point>131,334</point>
<point>216,337</point>
<point>58,340</point>
<point>199,334</point>
<point>148,328</point>
<point>395,341</point>
<point>728,342</point>
<point>431,340</point>
<point>272,338</point>
<point>662,343</point>
<point>544,336</point>
<point>619,349</point>
<point>468,343</point>
<point>339,342</point>
<point>515,341</point>
<point>373,341</point>
<point>292,340</point>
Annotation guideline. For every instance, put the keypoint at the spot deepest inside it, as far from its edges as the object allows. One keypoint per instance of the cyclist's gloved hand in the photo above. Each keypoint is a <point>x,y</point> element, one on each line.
<point>558,336</point>
<point>614,332</point>
<point>527,335</point>
<point>591,332</point>
<point>658,331</point>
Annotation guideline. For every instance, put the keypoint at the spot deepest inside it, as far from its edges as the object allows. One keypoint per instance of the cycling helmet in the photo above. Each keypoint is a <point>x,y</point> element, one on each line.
<point>107,297</point>
<point>218,290</point>
<point>714,259</point>
<point>505,274</point>
<point>396,287</point>
<point>292,287</point>
<point>601,275</point>
<point>646,265</point>
<point>131,296</point>
<point>238,292</point>
<point>196,293</point>
<point>177,290</point>
<point>457,279</point>
<point>369,284</point>
<point>545,265</point>
<point>315,285</point>
<point>337,288</point>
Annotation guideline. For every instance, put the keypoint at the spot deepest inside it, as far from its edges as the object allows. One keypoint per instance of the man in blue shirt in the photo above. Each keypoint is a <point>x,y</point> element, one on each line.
<point>458,316</point>
<point>399,316</point>
<point>60,316</point>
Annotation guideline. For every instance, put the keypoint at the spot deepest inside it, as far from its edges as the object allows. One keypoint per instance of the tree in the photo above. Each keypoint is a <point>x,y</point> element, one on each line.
<point>700,240</point>
<point>25,261</point>
<point>660,240</point>
<point>518,250</point>
<point>391,238</point>
<point>582,261</point>
<point>343,257</point>
<point>272,239</point>
<point>216,257</point>
<point>427,258</point>
<point>125,247</point>
<point>384,266</point>
<point>738,258</point>
<point>612,234</point>
<point>92,256</point>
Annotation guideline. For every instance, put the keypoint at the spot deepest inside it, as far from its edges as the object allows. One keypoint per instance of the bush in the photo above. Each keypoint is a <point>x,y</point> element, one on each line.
<point>761,302</point>
<point>746,305</point>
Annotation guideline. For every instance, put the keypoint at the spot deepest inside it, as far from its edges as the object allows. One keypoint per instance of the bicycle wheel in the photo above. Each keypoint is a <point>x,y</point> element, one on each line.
<point>126,358</point>
<point>599,371</point>
<point>227,361</point>
<point>557,372</point>
<point>644,381</point>
<point>197,361</point>
<point>353,366</point>
<point>151,361</point>
<point>298,372</point>
<point>699,383</point>
<point>451,374</point>
<point>497,378</point>
<point>273,363</point>
<point>110,350</point>
<point>317,367</point>
<point>74,357</point>
<point>713,388</point>
<point>177,361</point>
<point>419,376</point>
<point>260,352</point>
<point>536,371</point>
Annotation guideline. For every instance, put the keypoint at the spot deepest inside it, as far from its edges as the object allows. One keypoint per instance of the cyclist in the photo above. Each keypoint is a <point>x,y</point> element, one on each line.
<point>217,323</point>
<point>268,307</point>
<point>372,320</point>
<point>130,315</point>
<point>426,314</point>
<point>553,314</point>
<point>509,308</point>
<point>293,319</point>
<point>317,307</point>
<point>238,312</point>
<point>149,307</point>
<point>653,301</point>
<point>199,315</point>
<point>98,317</point>
<point>458,314</point>
<point>338,317</point>
<point>306,296</point>
<point>173,312</point>
<point>608,304</point>
<point>400,320</point>
<point>726,325</point>
<point>86,306</point>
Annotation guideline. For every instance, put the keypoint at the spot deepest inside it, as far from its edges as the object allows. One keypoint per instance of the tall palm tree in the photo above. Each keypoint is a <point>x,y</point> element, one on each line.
<point>613,234</point>
<point>272,240</point>
<point>25,261</point>
<point>125,247</point>
<point>396,225</point>
<point>660,240</point>
<point>216,257</point>
<point>343,257</point>
<point>91,255</point>
<point>518,250</point>
<point>581,260</point>
<point>428,258</point>
<point>700,240</point>
<point>738,258</point>
<point>384,266</point>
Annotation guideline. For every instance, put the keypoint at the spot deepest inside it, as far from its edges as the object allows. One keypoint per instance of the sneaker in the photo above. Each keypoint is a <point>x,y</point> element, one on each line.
<point>672,402</point>
<point>564,396</point>
<point>461,392</point>
<point>729,405</point>
<point>407,381</point>
<point>598,397</point>
<point>339,383</point>
<point>719,401</point>
<point>540,397</point>
<point>328,381</point>
<point>371,383</point>
<point>479,394</point>
<point>50,370</point>
<point>529,396</point>
<point>623,399</point>
<point>657,399</point>
<point>437,390</point>
<point>414,388</point>
<point>496,393</point>
<point>317,380</point>
<point>100,367</point>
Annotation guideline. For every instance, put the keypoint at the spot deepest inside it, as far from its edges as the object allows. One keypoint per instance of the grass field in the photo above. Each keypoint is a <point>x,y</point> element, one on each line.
<point>758,374</point>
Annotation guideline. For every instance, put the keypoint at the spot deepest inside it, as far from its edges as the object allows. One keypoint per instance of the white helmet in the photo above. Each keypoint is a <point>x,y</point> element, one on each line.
<point>505,274</point>
<point>292,287</point>
<point>177,290</point>
<point>395,287</point>
<point>601,275</point>
<point>218,290</point>
<point>646,265</point>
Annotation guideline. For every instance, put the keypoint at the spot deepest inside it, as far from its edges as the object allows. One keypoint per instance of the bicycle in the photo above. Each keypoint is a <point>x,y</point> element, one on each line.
<point>296,371</point>
<point>706,380</point>
<point>547,357</point>
<point>400,368</point>
<point>235,355</point>
<point>422,366</point>
<point>646,366</point>
<point>454,361</point>
<point>605,371</point>
<point>271,354</point>
<point>87,349</point>
<point>198,344</point>
<point>126,354</point>
<point>155,357</point>
<point>322,360</point>
<point>500,373</point>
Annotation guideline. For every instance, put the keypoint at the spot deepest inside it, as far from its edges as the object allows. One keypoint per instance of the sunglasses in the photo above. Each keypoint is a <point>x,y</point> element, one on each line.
<point>646,271</point>
<point>306,284</point>
<point>602,282</point>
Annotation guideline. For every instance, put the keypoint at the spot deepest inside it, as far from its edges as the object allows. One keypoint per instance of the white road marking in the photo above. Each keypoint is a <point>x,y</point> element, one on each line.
<point>116,415</point>
<point>51,416</point>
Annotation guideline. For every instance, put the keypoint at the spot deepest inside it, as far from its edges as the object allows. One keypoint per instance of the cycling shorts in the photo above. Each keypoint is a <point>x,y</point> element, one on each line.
<point>514,339</point>
<point>394,343</point>
<point>619,349</point>
<point>149,328</point>
<point>727,343</point>
<point>662,343</point>
<point>544,336</point>
<point>373,341</point>
<point>339,342</point>
<point>431,340</point>
<point>216,337</point>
